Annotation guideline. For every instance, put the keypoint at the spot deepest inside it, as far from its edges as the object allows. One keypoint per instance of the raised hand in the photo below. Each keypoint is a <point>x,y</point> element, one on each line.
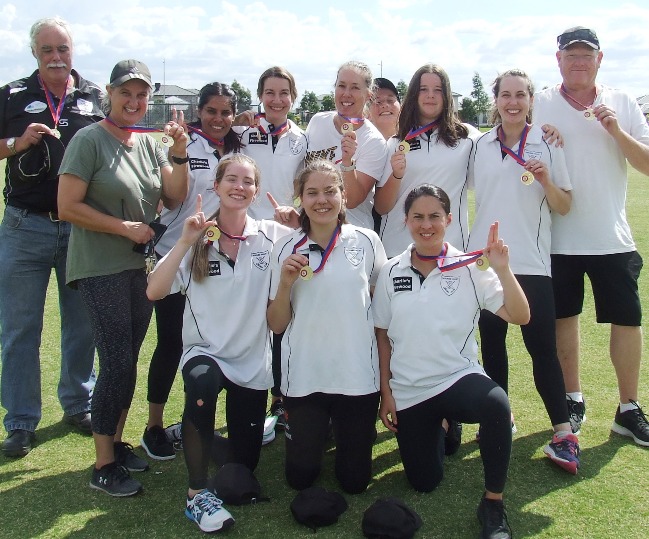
<point>286,215</point>
<point>196,225</point>
<point>496,251</point>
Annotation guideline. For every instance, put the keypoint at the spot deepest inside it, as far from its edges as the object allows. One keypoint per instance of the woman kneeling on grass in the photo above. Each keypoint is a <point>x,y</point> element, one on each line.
<point>426,306</point>
<point>222,266</point>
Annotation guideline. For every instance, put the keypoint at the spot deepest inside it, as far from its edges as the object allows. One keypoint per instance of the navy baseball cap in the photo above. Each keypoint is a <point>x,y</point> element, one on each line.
<point>578,34</point>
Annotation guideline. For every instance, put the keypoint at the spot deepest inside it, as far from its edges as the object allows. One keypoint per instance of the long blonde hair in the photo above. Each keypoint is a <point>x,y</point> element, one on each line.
<point>200,262</point>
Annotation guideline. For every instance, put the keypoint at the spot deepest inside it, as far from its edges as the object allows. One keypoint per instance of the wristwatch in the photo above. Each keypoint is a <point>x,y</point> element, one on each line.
<point>180,160</point>
<point>344,168</point>
<point>11,145</point>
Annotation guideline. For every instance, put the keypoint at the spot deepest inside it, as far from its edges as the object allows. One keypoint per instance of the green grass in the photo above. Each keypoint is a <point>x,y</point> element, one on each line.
<point>46,494</point>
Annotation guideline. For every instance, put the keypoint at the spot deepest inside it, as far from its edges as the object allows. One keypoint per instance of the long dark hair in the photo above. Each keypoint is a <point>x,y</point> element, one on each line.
<point>450,129</point>
<point>231,141</point>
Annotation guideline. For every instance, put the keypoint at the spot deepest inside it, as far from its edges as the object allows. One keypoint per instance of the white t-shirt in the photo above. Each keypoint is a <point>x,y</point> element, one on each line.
<point>225,313</point>
<point>521,210</point>
<point>324,143</point>
<point>596,223</point>
<point>432,324</point>
<point>329,344</point>
<point>429,161</point>
<point>278,168</point>
<point>202,164</point>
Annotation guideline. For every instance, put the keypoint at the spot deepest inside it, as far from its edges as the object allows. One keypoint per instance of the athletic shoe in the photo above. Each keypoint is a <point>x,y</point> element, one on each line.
<point>208,512</point>
<point>493,518</point>
<point>174,435</point>
<point>269,430</point>
<point>564,452</point>
<point>632,424</point>
<point>18,443</point>
<point>124,456</point>
<point>154,441</point>
<point>277,410</point>
<point>115,480</point>
<point>577,411</point>
<point>453,437</point>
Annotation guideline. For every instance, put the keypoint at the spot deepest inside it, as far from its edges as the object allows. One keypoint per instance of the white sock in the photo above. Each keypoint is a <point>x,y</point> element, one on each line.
<point>562,433</point>
<point>576,396</point>
<point>628,406</point>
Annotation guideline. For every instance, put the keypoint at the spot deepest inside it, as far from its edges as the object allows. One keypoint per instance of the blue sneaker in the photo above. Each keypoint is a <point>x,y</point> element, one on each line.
<point>564,452</point>
<point>208,512</point>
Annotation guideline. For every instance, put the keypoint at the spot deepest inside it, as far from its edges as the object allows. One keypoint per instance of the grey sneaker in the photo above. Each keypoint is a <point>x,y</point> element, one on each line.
<point>174,435</point>
<point>124,456</point>
<point>115,480</point>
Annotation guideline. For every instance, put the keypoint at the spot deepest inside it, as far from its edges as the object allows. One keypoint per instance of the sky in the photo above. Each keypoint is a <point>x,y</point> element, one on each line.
<point>194,42</point>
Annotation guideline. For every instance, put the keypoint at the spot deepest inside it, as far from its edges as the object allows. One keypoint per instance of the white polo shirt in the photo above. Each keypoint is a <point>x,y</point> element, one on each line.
<point>324,143</point>
<point>278,168</point>
<point>329,344</point>
<point>596,223</point>
<point>429,161</point>
<point>432,324</point>
<point>202,163</point>
<point>521,210</point>
<point>225,313</point>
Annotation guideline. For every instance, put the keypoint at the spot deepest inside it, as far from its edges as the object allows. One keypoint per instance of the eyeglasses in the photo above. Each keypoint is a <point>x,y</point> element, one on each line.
<point>387,101</point>
<point>583,35</point>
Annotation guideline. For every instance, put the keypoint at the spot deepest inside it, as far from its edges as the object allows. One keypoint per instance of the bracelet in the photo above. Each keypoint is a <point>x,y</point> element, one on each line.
<point>344,168</point>
<point>180,160</point>
<point>396,177</point>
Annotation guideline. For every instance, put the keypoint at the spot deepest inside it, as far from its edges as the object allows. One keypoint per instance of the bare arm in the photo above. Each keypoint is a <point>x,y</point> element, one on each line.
<point>388,409</point>
<point>386,195</point>
<point>279,310</point>
<point>72,208</point>
<point>558,199</point>
<point>175,178</point>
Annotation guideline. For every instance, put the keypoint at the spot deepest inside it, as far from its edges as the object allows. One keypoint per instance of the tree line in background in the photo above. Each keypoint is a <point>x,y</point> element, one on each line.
<point>473,110</point>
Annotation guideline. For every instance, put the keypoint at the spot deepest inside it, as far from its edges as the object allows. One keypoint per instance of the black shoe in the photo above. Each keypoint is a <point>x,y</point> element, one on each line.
<point>633,424</point>
<point>453,437</point>
<point>124,456</point>
<point>115,480</point>
<point>154,442</point>
<point>492,516</point>
<point>82,421</point>
<point>18,443</point>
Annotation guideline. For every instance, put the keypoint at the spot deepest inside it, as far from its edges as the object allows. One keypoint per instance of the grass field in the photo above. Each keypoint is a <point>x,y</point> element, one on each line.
<point>46,494</point>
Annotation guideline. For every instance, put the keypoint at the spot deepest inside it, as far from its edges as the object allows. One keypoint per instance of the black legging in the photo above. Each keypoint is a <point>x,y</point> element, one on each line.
<point>473,399</point>
<point>540,340</point>
<point>164,362</point>
<point>245,411</point>
<point>119,314</point>
<point>354,425</point>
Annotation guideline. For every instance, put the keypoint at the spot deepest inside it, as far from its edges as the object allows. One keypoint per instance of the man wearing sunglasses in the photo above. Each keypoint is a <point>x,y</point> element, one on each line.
<point>603,129</point>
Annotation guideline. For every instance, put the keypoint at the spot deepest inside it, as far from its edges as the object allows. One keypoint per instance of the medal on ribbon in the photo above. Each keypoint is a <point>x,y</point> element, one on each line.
<point>306,272</point>
<point>527,178</point>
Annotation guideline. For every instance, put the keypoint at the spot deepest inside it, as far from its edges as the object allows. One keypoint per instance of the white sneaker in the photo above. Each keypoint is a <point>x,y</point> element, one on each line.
<point>207,511</point>
<point>269,430</point>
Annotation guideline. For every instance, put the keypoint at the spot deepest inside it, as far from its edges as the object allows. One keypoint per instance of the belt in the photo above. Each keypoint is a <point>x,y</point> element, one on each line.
<point>51,215</point>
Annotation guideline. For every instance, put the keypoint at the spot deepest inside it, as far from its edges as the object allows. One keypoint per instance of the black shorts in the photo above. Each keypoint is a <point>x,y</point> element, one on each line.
<point>613,279</point>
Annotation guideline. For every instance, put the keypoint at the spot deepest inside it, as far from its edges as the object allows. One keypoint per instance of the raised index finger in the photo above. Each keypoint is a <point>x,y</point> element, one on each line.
<point>199,204</point>
<point>272,201</point>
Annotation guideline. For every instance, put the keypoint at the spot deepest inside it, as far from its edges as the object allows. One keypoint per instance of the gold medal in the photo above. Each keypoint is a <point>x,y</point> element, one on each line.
<point>56,133</point>
<point>213,233</point>
<point>167,141</point>
<point>482,263</point>
<point>589,114</point>
<point>527,178</point>
<point>403,147</point>
<point>347,128</point>
<point>150,262</point>
<point>297,202</point>
<point>306,273</point>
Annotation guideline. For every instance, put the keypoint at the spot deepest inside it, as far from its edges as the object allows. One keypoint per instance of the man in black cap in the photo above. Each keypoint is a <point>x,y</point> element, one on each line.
<point>603,129</point>
<point>39,114</point>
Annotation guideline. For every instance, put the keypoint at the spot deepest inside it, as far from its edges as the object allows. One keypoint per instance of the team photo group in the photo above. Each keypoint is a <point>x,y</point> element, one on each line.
<point>342,266</point>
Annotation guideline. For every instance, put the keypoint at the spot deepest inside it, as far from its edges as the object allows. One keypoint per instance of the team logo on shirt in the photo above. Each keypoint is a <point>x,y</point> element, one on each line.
<point>355,255</point>
<point>35,107</point>
<point>213,268</point>
<point>84,106</point>
<point>328,154</point>
<point>529,154</point>
<point>198,164</point>
<point>449,284</point>
<point>295,145</point>
<point>402,284</point>
<point>261,260</point>
<point>415,144</point>
<point>256,137</point>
